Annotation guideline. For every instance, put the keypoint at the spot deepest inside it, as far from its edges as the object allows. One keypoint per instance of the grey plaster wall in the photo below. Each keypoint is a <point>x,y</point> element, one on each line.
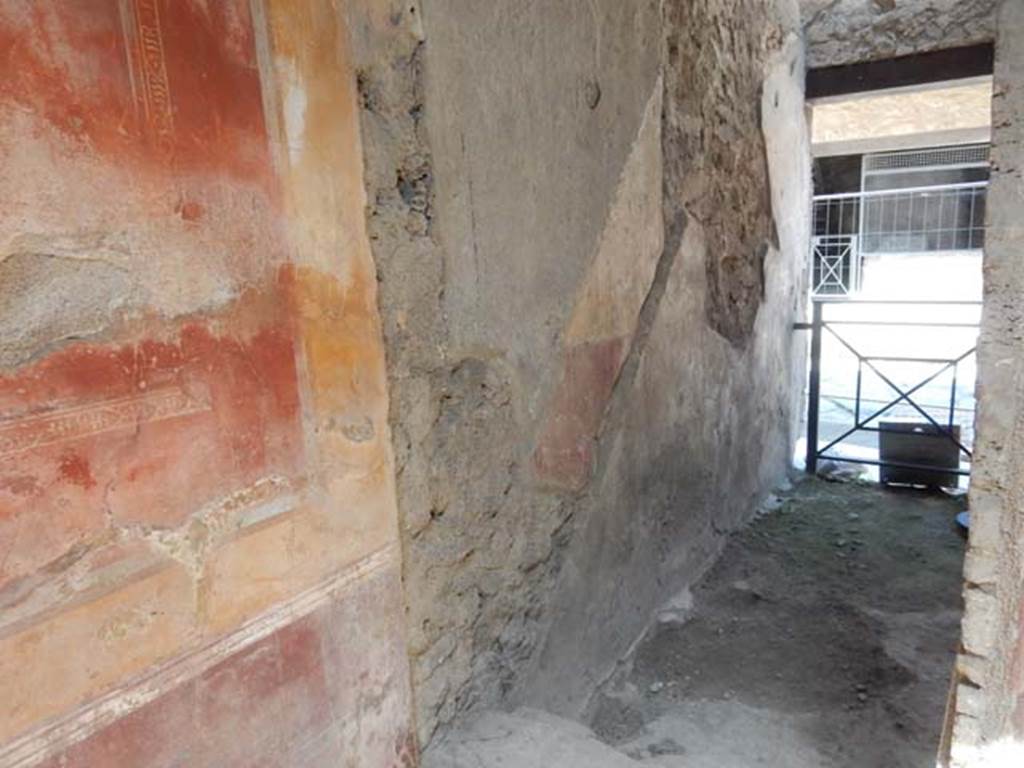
<point>848,31</point>
<point>989,724</point>
<point>587,279</point>
<point>701,424</point>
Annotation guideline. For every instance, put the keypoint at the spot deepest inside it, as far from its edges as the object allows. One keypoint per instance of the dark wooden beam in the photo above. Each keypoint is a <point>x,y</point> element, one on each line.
<point>918,69</point>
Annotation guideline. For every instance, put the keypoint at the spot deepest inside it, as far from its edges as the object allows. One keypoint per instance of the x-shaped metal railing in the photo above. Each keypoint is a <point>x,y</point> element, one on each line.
<point>831,266</point>
<point>902,395</point>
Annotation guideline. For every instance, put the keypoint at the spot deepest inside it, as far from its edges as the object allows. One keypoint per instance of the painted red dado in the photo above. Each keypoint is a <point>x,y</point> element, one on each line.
<point>201,721</point>
<point>564,453</point>
<point>274,704</point>
<point>150,83</point>
<point>145,433</point>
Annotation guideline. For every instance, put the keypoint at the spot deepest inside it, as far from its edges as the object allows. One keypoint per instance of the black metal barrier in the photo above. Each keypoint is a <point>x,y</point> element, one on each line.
<point>819,325</point>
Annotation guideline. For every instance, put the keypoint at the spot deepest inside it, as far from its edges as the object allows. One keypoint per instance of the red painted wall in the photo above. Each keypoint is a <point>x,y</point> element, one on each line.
<point>178,585</point>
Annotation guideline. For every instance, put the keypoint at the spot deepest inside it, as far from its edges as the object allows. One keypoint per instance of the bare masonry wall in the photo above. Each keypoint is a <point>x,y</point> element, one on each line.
<point>849,31</point>
<point>587,289</point>
<point>989,723</point>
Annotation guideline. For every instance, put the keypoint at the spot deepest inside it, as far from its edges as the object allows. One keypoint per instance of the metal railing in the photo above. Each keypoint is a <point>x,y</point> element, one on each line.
<point>846,227</point>
<point>900,395</point>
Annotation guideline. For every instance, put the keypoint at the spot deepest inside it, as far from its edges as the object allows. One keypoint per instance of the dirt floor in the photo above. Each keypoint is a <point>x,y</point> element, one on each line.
<point>823,638</point>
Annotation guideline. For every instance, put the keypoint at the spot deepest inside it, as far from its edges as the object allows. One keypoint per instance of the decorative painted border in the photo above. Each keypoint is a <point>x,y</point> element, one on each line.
<point>147,67</point>
<point>26,433</point>
<point>62,733</point>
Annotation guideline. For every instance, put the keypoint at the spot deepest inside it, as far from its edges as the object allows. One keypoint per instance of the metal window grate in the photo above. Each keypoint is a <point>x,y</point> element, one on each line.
<point>912,220</point>
<point>846,227</point>
<point>965,155</point>
<point>946,219</point>
<point>834,265</point>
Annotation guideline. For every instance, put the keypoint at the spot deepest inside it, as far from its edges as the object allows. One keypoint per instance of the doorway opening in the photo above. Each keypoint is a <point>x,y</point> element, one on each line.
<point>898,231</point>
<point>827,633</point>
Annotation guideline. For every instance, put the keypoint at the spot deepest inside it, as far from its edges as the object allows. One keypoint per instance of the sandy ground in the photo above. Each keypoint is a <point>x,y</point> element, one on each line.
<point>824,637</point>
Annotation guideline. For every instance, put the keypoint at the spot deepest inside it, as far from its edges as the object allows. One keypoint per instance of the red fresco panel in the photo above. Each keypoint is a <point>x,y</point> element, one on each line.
<point>287,700</point>
<point>564,453</point>
<point>148,82</point>
<point>144,433</point>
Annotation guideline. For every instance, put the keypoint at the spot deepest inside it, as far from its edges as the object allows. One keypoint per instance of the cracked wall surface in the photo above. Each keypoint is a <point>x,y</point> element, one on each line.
<point>849,31</point>
<point>198,531</point>
<point>572,382</point>
<point>700,424</point>
<point>989,708</point>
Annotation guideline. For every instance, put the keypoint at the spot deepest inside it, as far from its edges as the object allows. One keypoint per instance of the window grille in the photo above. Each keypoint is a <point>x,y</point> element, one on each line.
<point>970,155</point>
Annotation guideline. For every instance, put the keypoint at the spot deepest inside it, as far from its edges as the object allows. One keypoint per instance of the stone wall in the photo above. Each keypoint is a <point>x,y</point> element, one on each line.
<point>587,292</point>
<point>989,717</point>
<point>199,560</point>
<point>849,31</point>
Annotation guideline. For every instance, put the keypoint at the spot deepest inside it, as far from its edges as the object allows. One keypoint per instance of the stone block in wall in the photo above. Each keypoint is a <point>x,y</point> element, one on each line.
<point>980,633</point>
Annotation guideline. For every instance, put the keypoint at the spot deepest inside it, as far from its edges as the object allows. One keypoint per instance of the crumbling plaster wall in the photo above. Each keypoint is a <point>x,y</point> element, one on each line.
<point>700,425</point>
<point>571,385</point>
<point>849,31</point>
<point>989,720</point>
